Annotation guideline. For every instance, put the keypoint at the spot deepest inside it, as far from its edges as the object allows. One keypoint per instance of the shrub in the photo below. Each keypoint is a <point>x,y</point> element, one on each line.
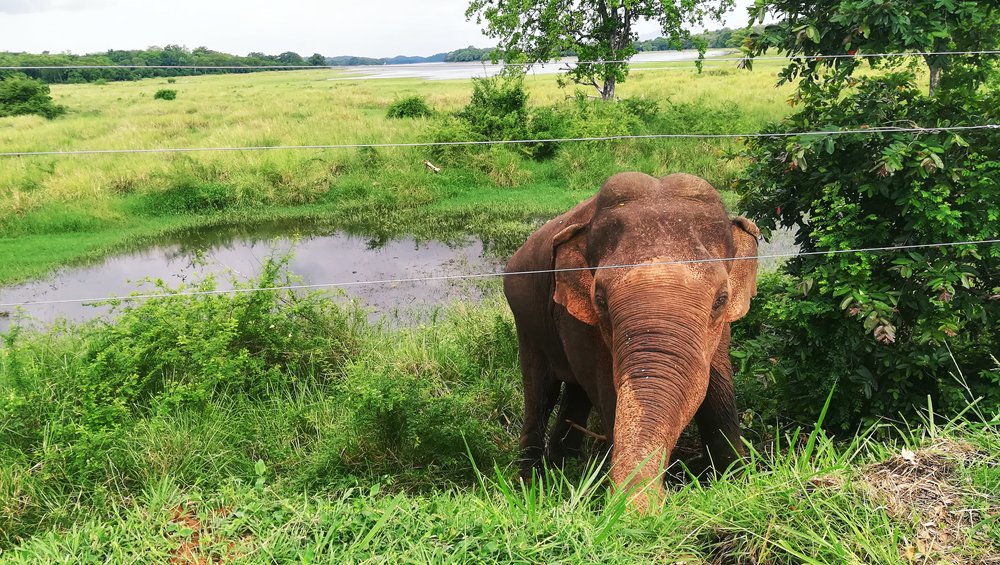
<point>412,107</point>
<point>498,109</point>
<point>21,95</point>
<point>164,94</point>
<point>100,82</point>
<point>174,352</point>
<point>171,80</point>
<point>643,108</point>
<point>888,329</point>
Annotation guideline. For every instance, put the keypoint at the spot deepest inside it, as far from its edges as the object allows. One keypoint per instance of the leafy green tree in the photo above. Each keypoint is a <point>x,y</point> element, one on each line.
<point>316,60</point>
<point>291,58</point>
<point>888,329</point>
<point>20,95</point>
<point>599,31</point>
<point>875,26</point>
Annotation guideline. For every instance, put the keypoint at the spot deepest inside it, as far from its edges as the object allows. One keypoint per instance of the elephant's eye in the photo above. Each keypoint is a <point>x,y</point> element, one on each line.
<point>600,301</point>
<point>720,302</point>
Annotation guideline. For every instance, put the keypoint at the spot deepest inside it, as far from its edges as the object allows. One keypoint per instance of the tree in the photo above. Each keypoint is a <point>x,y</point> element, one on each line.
<point>599,31</point>
<point>20,95</point>
<point>291,58</point>
<point>317,60</point>
<point>834,27</point>
<point>887,329</point>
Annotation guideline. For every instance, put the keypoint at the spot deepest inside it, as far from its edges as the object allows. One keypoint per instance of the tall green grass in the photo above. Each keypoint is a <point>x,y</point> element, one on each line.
<point>271,427</point>
<point>55,210</point>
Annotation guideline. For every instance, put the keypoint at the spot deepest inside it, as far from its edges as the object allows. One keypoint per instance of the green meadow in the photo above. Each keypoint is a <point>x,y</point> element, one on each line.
<point>61,209</point>
<point>275,427</point>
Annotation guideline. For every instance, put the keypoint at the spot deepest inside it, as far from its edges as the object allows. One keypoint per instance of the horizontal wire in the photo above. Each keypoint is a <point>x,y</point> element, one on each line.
<point>777,58</point>
<point>199,67</point>
<point>493,275</point>
<point>505,142</point>
<point>265,67</point>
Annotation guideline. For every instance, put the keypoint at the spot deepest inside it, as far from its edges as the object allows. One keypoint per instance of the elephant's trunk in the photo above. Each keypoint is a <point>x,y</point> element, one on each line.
<point>661,356</point>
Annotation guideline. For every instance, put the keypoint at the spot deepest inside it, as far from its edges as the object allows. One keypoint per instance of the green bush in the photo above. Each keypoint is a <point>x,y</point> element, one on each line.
<point>498,109</point>
<point>171,80</point>
<point>887,329</point>
<point>20,95</point>
<point>164,94</point>
<point>199,388</point>
<point>411,107</point>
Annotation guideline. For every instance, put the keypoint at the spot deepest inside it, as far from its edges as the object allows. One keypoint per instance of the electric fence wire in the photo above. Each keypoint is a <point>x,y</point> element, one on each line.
<point>863,130</point>
<point>506,64</point>
<point>493,275</point>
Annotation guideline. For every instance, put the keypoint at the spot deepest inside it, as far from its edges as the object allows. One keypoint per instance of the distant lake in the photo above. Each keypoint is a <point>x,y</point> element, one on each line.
<point>450,71</point>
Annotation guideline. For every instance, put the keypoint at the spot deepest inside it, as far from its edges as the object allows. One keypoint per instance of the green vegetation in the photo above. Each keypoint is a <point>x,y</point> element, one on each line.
<point>470,53</point>
<point>716,39</point>
<point>170,56</point>
<point>410,107</point>
<point>59,210</point>
<point>910,325</point>
<point>275,426</point>
<point>22,96</point>
<point>165,94</point>
<point>600,35</point>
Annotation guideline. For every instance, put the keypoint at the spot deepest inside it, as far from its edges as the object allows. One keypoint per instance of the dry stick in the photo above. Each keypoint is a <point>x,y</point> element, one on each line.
<point>432,167</point>
<point>586,431</point>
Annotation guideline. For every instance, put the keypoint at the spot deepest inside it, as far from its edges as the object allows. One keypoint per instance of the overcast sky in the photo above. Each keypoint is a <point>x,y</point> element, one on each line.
<point>372,28</point>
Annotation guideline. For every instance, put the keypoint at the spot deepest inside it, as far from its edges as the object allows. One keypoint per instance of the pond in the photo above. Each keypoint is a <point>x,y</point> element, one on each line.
<point>320,258</point>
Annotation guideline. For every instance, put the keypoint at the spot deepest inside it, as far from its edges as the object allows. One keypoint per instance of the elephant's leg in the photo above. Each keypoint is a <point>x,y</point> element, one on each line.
<point>564,439</point>
<point>541,391</point>
<point>718,419</point>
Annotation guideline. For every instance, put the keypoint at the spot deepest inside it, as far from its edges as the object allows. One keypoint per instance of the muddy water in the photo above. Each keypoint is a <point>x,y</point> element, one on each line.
<point>320,258</point>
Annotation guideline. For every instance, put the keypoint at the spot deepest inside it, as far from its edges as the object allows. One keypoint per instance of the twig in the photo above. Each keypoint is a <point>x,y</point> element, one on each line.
<point>432,167</point>
<point>586,431</point>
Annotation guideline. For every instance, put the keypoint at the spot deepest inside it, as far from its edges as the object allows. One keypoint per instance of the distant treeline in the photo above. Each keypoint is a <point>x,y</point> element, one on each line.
<point>470,53</point>
<point>349,60</point>
<point>718,39</point>
<point>182,57</point>
<point>171,55</point>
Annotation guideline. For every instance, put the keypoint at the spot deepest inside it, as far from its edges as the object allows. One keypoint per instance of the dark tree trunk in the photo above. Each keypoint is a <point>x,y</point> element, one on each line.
<point>608,92</point>
<point>935,81</point>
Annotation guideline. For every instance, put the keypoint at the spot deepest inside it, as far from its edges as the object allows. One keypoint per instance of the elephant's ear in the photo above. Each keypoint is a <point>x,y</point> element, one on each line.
<point>573,288</point>
<point>743,274</point>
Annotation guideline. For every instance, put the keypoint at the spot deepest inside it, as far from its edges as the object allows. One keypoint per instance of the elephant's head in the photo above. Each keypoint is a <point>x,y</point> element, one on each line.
<point>661,322</point>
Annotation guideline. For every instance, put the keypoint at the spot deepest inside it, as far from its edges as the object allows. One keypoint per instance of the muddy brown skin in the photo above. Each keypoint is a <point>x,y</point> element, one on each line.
<point>647,346</point>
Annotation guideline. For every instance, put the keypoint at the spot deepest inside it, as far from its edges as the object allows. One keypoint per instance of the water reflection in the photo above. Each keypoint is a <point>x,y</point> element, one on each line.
<point>321,257</point>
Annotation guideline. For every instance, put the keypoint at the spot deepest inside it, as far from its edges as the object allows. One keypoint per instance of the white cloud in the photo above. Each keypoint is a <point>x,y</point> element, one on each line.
<point>36,6</point>
<point>372,28</point>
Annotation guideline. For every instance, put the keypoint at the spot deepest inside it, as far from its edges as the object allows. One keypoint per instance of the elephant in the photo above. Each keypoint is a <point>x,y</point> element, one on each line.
<point>624,303</point>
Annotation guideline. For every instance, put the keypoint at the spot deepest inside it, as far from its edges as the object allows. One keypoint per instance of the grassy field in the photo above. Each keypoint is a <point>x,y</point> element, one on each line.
<point>271,427</point>
<point>60,209</point>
